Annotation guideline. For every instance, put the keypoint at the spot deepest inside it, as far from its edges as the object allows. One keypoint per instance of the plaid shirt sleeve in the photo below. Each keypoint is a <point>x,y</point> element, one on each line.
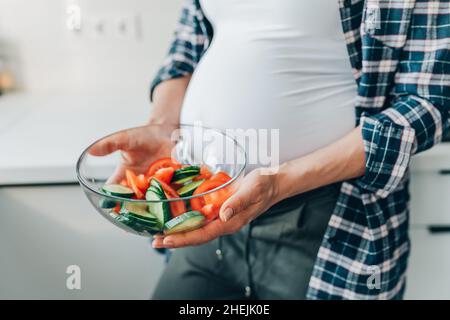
<point>192,37</point>
<point>420,104</point>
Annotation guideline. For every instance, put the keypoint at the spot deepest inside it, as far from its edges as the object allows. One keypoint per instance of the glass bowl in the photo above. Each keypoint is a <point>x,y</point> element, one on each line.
<point>189,145</point>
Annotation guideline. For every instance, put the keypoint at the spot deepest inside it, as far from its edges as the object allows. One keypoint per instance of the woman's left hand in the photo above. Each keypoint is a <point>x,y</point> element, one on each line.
<point>261,188</point>
<point>257,193</point>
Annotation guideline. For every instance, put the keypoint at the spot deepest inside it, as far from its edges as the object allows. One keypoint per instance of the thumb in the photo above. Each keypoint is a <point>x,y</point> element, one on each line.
<point>110,144</point>
<point>235,204</point>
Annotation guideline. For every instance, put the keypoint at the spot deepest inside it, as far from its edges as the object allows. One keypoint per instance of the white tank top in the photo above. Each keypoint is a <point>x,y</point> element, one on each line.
<point>275,64</point>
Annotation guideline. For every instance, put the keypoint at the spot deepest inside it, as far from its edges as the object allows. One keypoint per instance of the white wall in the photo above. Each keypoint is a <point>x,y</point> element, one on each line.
<point>79,86</point>
<point>49,58</point>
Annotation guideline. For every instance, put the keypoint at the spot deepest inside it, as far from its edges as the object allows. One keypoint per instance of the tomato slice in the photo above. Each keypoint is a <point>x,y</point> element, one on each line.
<point>168,189</point>
<point>199,202</point>
<point>162,163</point>
<point>217,198</point>
<point>204,174</point>
<point>221,176</point>
<point>142,182</point>
<point>164,174</point>
<point>132,181</point>
<point>176,207</point>
<point>116,209</point>
<point>210,211</point>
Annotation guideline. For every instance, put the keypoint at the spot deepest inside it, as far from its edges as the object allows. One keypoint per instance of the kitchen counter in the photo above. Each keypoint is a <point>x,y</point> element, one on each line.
<point>42,136</point>
<point>47,227</point>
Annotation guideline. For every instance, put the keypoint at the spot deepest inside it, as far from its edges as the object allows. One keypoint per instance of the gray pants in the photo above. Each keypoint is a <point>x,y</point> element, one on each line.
<point>272,258</point>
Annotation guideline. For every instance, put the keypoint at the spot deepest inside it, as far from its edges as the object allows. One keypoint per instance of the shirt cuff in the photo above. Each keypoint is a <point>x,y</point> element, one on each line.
<point>388,148</point>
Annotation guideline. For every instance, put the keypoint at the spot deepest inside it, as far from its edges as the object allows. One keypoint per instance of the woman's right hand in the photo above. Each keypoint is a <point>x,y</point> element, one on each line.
<point>142,146</point>
<point>139,147</point>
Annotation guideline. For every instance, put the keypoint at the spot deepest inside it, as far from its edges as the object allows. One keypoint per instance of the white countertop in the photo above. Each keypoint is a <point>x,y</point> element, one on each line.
<point>42,136</point>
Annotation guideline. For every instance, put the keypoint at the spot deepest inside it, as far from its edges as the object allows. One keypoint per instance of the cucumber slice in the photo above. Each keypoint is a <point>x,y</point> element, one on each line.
<point>129,223</point>
<point>118,190</point>
<point>184,180</point>
<point>159,209</point>
<point>138,211</point>
<point>186,222</point>
<point>149,224</point>
<point>107,204</point>
<point>155,190</point>
<point>139,224</point>
<point>185,174</point>
<point>188,190</point>
<point>155,184</point>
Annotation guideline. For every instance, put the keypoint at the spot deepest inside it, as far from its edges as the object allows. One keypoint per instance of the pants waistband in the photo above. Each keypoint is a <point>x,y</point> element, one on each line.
<point>293,202</point>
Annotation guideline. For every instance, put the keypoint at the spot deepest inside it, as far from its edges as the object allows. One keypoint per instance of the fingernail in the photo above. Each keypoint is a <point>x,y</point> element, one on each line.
<point>155,245</point>
<point>227,214</point>
<point>168,242</point>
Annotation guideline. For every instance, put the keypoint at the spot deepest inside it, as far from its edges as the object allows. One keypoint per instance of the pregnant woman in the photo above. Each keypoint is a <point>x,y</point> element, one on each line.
<point>355,88</point>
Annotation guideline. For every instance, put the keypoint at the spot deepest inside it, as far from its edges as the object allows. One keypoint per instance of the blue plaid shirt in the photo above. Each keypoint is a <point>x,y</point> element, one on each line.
<point>399,52</point>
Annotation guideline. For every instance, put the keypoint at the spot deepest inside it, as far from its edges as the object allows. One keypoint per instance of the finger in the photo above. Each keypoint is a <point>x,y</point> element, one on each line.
<point>207,233</point>
<point>117,141</point>
<point>158,243</point>
<point>117,176</point>
<point>238,202</point>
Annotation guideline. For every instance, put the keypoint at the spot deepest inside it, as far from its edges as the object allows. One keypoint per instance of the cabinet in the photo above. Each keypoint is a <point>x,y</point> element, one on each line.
<point>429,264</point>
<point>45,229</point>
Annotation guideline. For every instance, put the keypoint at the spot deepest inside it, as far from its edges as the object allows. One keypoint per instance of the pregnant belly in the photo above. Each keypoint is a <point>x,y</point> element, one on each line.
<point>271,94</point>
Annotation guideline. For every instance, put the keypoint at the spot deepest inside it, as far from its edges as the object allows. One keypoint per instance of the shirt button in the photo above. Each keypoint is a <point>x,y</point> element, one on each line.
<point>248,292</point>
<point>219,254</point>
